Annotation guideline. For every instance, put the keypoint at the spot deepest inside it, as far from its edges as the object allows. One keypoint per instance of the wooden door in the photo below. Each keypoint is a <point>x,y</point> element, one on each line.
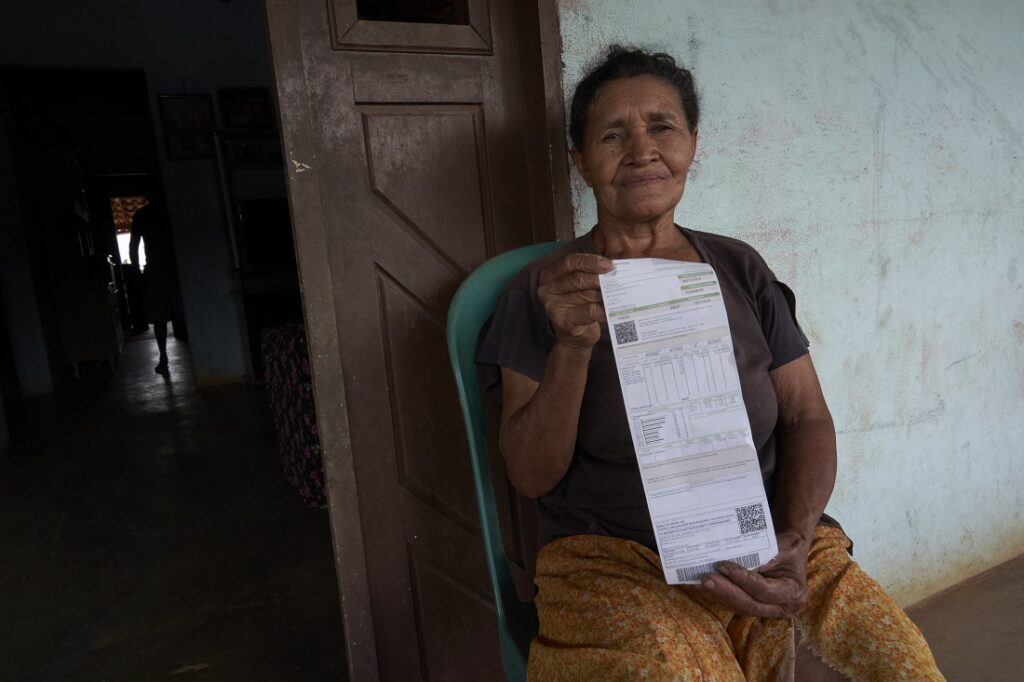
<point>416,149</point>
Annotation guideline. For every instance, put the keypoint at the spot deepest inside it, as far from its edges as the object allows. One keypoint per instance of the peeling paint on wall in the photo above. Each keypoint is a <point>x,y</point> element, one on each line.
<point>872,151</point>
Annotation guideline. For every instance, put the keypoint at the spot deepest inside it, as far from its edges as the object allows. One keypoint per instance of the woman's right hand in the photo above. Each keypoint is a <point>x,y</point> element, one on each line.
<point>571,294</point>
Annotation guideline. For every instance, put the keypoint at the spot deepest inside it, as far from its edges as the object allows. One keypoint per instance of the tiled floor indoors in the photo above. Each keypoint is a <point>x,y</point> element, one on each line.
<point>148,533</point>
<point>976,628</point>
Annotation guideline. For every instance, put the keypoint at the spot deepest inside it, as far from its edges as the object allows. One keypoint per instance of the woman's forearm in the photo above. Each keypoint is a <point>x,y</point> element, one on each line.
<point>806,475</point>
<point>538,439</point>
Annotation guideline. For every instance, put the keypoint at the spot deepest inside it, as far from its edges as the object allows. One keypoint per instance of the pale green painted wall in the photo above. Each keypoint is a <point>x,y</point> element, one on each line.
<point>872,152</point>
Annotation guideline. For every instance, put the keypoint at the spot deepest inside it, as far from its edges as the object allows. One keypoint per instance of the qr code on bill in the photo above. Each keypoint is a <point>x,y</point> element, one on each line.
<point>751,518</point>
<point>625,332</point>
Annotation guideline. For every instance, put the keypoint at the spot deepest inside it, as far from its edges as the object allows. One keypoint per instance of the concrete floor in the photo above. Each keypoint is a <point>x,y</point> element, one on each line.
<point>148,533</point>
<point>976,628</point>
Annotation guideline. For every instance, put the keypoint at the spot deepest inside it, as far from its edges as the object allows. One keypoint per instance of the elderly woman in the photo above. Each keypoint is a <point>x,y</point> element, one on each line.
<point>606,612</point>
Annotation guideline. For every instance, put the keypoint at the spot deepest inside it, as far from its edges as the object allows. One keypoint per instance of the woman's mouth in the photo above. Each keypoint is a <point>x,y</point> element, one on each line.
<point>642,180</point>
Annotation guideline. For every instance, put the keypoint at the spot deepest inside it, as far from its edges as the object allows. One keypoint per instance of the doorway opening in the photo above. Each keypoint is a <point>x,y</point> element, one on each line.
<point>152,514</point>
<point>123,210</point>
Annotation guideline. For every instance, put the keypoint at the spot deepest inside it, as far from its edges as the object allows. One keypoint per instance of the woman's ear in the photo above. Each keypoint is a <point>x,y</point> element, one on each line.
<point>581,165</point>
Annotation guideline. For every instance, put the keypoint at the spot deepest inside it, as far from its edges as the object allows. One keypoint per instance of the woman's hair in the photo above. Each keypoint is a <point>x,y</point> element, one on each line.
<point>627,62</point>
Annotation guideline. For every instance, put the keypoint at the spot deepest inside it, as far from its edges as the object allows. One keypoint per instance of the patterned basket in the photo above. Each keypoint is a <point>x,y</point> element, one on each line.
<point>289,383</point>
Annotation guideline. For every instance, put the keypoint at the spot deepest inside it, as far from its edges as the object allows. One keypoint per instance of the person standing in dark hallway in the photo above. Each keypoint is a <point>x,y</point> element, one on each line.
<point>151,228</point>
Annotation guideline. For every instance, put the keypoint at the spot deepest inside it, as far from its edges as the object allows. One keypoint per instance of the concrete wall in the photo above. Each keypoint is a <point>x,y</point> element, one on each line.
<point>195,46</point>
<point>873,152</point>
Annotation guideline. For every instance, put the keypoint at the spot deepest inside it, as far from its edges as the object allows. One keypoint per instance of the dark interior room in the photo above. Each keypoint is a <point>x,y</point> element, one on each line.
<point>163,512</point>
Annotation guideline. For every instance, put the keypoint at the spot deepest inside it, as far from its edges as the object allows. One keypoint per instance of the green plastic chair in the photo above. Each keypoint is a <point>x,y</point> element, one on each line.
<point>473,304</point>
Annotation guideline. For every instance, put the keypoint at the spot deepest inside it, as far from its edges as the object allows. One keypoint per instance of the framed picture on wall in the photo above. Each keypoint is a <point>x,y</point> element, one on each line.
<point>244,149</point>
<point>246,108</point>
<point>188,126</point>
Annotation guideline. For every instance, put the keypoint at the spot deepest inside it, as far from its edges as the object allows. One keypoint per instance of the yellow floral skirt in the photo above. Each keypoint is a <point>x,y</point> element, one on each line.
<point>606,613</point>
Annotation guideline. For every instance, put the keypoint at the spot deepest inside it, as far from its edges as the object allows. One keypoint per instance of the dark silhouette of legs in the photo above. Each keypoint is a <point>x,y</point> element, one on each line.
<point>160,330</point>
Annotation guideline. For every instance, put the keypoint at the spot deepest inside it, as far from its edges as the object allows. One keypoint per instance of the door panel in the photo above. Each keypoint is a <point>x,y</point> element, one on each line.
<point>385,78</point>
<point>436,592</point>
<point>406,172</point>
<point>446,207</point>
<point>433,463</point>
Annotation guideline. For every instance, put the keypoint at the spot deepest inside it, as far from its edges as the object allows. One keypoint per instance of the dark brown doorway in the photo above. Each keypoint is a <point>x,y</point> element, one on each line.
<point>415,151</point>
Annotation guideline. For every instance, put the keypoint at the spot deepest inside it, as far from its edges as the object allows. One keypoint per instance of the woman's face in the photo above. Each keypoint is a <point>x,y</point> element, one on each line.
<point>637,149</point>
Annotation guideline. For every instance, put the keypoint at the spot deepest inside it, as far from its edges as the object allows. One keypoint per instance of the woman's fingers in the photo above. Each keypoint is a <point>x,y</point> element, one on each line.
<point>729,594</point>
<point>577,271</point>
<point>583,315</point>
<point>784,591</point>
<point>577,262</point>
<point>571,297</point>
<point>580,297</point>
<point>571,293</point>
<point>575,313</point>
<point>751,593</point>
<point>573,281</point>
<point>576,322</point>
<point>567,303</point>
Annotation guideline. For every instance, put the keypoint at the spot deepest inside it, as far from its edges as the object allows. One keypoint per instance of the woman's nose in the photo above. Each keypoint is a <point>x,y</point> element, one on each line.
<point>641,148</point>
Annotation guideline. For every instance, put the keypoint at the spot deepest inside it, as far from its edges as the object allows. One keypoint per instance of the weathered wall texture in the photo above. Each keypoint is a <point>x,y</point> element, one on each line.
<point>184,47</point>
<point>872,151</point>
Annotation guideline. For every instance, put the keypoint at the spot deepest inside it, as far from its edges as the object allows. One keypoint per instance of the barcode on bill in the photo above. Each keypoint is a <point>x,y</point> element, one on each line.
<point>699,571</point>
<point>751,518</point>
<point>625,332</point>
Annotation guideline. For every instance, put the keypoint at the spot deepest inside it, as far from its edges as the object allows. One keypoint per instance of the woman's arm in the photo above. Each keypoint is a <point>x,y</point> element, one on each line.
<point>539,420</point>
<point>807,446</point>
<point>804,481</point>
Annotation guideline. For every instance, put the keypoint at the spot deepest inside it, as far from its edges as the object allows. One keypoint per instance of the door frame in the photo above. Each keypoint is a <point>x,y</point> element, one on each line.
<point>540,61</point>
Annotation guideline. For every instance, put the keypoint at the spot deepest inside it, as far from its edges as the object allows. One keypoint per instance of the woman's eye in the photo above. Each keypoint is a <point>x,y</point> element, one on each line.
<point>611,137</point>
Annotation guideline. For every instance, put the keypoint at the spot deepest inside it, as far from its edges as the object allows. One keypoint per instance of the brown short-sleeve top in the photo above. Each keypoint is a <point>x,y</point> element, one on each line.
<point>602,492</point>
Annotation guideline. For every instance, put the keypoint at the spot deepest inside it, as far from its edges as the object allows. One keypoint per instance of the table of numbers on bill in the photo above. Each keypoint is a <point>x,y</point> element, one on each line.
<point>677,370</point>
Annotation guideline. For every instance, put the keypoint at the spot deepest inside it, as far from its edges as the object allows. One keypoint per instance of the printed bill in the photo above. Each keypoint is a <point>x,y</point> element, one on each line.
<point>674,353</point>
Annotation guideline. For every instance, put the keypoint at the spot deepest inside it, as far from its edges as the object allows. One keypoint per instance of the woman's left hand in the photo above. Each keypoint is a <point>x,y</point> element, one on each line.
<point>776,590</point>
<point>803,484</point>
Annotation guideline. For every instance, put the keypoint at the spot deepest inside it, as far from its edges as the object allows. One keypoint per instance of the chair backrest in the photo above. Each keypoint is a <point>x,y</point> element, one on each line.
<point>471,307</point>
